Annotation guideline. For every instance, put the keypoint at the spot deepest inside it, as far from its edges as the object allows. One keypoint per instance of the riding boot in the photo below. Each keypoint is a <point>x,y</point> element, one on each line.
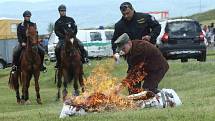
<point>41,53</point>
<point>16,56</point>
<point>57,54</point>
<point>84,53</point>
<point>42,67</point>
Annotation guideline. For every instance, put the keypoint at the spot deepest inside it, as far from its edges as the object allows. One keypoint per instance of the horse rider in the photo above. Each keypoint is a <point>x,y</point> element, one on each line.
<point>138,26</point>
<point>65,23</point>
<point>22,39</point>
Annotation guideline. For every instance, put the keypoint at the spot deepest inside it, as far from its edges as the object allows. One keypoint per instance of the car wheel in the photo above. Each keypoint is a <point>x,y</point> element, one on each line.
<point>2,64</point>
<point>184,60</point>
<point>202,58</point>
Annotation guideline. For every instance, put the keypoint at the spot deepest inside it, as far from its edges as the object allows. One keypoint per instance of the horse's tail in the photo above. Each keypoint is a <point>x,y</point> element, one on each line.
<point>13,79</point>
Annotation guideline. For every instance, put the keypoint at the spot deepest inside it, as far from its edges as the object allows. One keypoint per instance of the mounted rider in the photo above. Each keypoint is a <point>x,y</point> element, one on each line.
<point>22,39</point>
<point>65,23</point>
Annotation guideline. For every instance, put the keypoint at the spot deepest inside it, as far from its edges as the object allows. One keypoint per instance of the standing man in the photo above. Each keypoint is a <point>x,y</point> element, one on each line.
<point>65,23</point>
<point>22,39</point>
<point>138,26</point>
<point>142,52</point>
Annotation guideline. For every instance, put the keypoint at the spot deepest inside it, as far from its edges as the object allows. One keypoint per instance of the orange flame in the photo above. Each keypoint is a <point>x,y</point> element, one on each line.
<point>100,85</point>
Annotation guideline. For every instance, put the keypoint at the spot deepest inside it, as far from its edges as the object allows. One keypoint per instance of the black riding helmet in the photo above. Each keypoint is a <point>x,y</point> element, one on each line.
<point>27,13</point>
<point>62,8</point>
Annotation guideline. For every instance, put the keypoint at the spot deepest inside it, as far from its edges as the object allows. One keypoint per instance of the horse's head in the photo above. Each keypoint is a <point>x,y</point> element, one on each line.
<point>32,36</point>
<point>69,36</point>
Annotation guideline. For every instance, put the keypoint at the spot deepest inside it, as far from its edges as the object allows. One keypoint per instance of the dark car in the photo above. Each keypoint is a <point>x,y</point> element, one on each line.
<point>182,39</point>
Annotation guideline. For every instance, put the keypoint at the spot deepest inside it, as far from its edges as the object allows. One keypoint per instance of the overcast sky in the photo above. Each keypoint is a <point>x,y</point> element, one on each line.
<point>93,13</point>
<point>33,1</point>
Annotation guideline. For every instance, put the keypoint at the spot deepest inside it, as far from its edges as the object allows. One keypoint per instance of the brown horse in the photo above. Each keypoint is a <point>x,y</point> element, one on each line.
<point>30,66</point>
<point>71,66</point>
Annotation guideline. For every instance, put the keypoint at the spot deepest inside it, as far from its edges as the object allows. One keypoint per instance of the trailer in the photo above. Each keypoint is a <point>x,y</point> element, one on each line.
<point>6,52</point>
<point>97,42</point>
<point>8,40</point>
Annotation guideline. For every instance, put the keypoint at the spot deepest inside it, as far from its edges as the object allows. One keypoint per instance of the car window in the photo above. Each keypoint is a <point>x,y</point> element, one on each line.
<point>108,35</point>
<point>95,36</point>
<point>182,27</point>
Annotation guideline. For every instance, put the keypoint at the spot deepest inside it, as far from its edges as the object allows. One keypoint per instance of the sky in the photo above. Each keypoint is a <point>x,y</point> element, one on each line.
<point>32,1</point>
<point>93,13</point>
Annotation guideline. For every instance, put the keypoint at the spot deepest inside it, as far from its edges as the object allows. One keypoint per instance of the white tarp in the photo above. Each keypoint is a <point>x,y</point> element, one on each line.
<point>165,98</point>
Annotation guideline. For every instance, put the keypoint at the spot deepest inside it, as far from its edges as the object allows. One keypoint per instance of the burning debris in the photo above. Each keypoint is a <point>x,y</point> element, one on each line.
<point>100,94</point>
<point>134,76</point>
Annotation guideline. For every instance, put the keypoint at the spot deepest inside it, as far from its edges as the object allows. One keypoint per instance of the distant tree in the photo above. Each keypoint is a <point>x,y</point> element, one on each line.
<point>50,27</point>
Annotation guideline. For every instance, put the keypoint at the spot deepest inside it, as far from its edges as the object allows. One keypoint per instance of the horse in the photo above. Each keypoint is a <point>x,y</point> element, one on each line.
<point>71,66</point>
<point>29,66</point>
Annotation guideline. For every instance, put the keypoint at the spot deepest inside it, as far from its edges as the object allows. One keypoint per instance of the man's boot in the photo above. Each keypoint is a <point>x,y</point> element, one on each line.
<point>15,63</point>
<point>57,54</point>
<point>42,67</point>
<point>84,53</point>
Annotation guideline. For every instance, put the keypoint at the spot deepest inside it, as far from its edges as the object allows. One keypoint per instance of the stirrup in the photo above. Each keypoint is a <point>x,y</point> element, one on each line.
<point>56,66</point>
<point>14,68</point>
<point>86,60</point>
<point>43,69</point>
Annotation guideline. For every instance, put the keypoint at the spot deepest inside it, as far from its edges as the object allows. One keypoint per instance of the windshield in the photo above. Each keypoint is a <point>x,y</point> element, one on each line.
<point>183,28</point>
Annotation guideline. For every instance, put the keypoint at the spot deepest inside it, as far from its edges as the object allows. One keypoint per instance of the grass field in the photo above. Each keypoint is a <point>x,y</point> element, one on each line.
<point>193,81</point>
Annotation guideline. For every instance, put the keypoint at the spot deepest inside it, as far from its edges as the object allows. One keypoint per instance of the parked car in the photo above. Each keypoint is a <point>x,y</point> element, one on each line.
<point>182,39</point>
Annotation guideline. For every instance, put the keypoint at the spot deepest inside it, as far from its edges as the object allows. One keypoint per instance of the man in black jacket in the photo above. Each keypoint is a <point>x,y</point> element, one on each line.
<point>65,23</point>
<point>137,25</point>
<point>22,39</point>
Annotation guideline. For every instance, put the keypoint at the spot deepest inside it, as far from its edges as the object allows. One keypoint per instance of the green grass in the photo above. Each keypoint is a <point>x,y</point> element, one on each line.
<point>193,81</point>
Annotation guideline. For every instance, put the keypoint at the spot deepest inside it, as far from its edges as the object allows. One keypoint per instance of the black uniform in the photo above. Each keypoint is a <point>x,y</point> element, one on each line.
<point>140,25</point>
<point>21,34</point>
<point>65,23</point>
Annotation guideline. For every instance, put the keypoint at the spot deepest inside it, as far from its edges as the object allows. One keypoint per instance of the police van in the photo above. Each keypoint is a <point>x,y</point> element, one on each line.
<point>97,42</point>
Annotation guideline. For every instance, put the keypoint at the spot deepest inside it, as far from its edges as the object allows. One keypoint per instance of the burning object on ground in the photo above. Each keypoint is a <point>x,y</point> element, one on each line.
<point>100,94</point>
<point>100,102</point>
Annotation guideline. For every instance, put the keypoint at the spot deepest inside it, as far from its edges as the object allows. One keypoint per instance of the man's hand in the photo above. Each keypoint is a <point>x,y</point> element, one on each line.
<point>116,57</point>
<point>23,44</point>
<point>147,37</point>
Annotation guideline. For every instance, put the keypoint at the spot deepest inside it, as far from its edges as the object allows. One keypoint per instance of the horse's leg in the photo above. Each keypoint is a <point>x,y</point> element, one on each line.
<point>28,79</point>
<point>24,80</point>
<point>76,78</point>
<point>37,87</point>
<point>65,76</point>
<point>16,86</point>
<point>81,81</point>
<point>59,83</point>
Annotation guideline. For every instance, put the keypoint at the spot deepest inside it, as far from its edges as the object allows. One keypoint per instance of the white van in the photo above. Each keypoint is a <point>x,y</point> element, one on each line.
<point>96,42</point>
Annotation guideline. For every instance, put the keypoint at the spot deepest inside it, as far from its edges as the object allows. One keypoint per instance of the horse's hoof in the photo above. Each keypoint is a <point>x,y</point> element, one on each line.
<point>83,90</point>
<point>76,93</point>
<point>57,99</point>
<point>27,102</point>
<point>18,101</point>
<point>39,101</point>
<point>22,102</point>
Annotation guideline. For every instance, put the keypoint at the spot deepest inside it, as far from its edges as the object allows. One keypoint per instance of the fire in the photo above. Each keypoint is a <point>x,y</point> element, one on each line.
<point>100,94</point>
<point>135,75</point>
